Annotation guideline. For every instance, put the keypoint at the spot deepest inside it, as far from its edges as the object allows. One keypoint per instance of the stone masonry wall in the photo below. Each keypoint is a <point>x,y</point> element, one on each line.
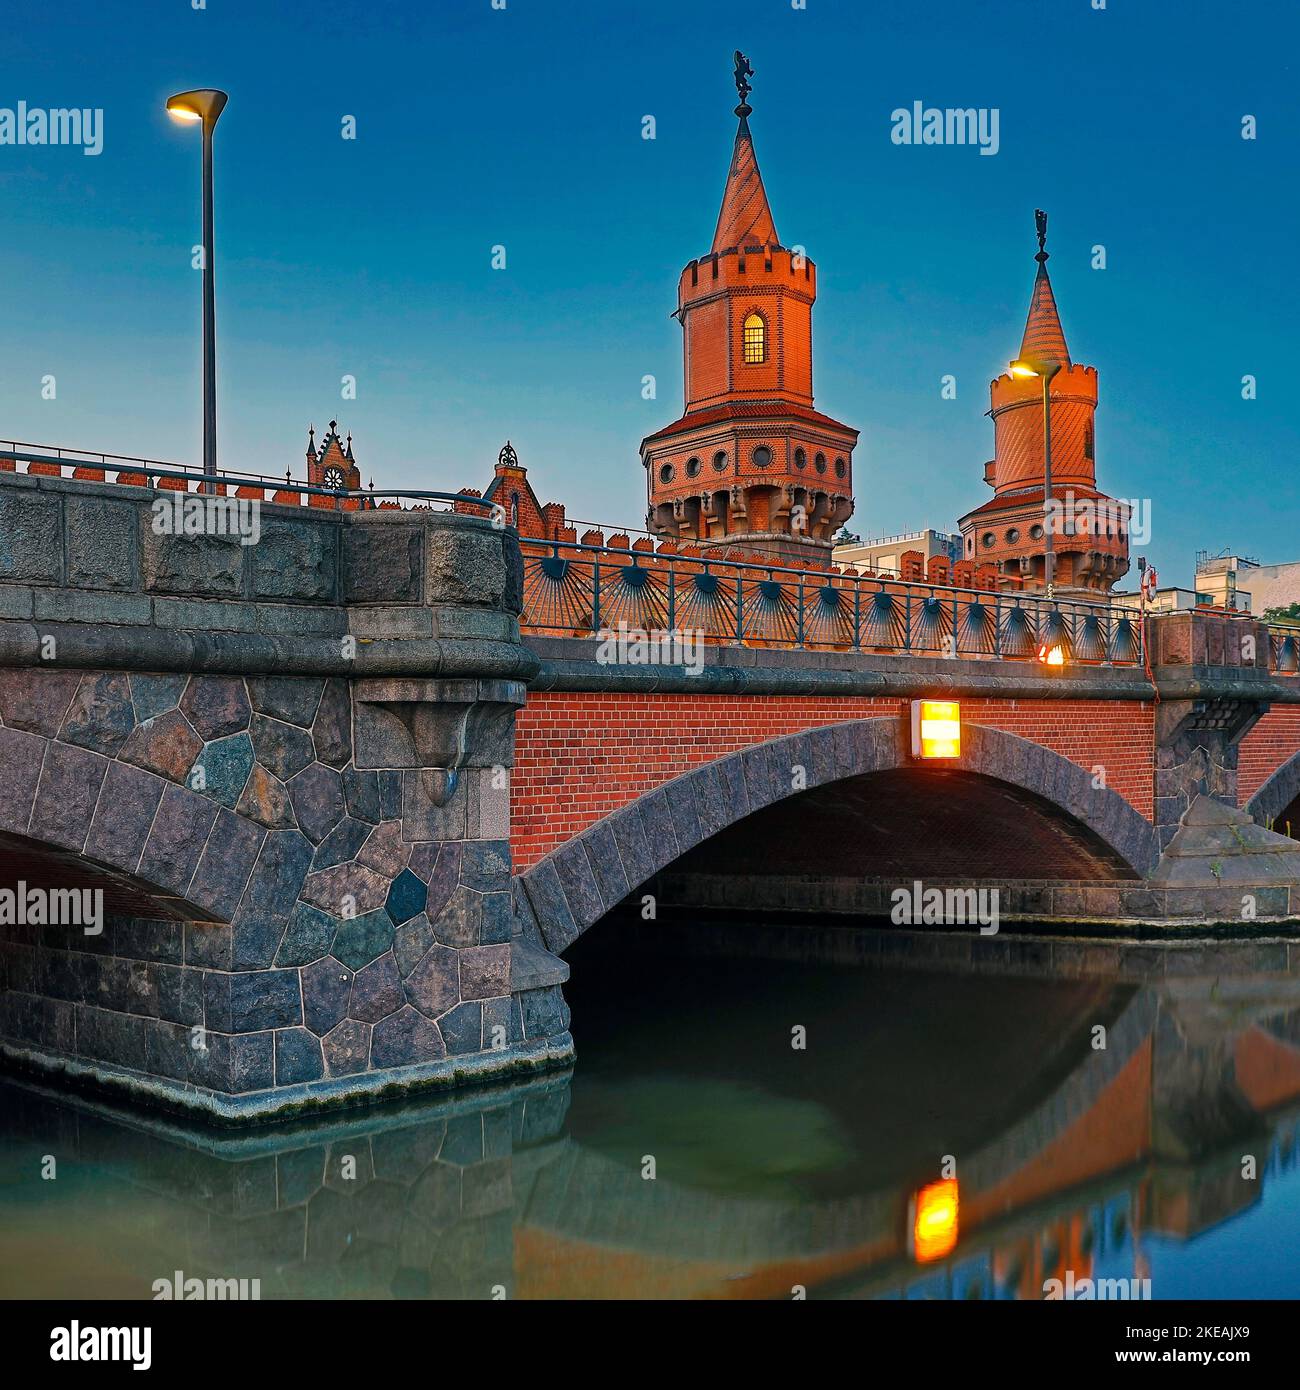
<point>338,945</point>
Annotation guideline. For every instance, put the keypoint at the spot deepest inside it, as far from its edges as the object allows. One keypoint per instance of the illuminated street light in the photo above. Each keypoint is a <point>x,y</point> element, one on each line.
<point>934,1220</point>
<point>206,105</point>
<point>1046,368</point>
<point>936,729</point>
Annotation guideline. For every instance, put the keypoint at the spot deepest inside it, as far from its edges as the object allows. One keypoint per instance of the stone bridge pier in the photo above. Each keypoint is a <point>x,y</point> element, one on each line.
<point>285,767</point>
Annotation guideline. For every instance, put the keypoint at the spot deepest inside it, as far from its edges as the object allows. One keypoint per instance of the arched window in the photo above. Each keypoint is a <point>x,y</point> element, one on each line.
<point>755,338</point>
<point>514,510</point>
<point>1089,444</point>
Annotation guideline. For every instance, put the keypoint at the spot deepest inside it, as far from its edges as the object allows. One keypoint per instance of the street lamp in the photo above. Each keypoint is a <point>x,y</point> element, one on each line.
<point>205,105</point>
<point>1046,368</point>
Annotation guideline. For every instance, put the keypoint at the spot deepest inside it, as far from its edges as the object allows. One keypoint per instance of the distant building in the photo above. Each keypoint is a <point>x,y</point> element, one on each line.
<point>513,493</point>
<point>1236,581</point>
<point>1172,600</point>
<point>886,552</point>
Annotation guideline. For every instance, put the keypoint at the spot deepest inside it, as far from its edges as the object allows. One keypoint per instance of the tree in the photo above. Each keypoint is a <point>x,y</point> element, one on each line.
<point>845,537</point>
<point>1289,615</point>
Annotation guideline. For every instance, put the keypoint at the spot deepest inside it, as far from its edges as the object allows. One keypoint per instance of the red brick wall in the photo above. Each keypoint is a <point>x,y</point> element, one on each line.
<point>1268,745</point>
<point>579,756</point>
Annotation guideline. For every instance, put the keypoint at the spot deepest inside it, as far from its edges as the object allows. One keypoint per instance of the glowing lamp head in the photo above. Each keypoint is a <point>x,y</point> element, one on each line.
<point>203,104</point>
<point>934,1220</point>
<point>1051,656</point>
<point>1019,368</point>
<point>936,729</point>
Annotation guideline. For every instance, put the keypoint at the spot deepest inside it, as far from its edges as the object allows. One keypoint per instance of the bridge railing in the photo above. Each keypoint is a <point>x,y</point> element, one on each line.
<point>1283,649</point>
<point>581,590</point>
<point>39,460</point>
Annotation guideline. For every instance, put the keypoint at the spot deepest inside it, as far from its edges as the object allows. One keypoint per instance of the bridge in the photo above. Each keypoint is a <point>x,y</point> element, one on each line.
<point>351,791</point>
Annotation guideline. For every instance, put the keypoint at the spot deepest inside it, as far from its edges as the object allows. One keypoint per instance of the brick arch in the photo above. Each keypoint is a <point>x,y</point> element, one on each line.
<point>1277,793</point>
<point>580,881</point>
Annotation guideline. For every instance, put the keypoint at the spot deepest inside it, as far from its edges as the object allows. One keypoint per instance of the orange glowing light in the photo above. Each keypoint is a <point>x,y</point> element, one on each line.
<point>936,729</point>
<point>1051,656</point>
<point>934,1220</point>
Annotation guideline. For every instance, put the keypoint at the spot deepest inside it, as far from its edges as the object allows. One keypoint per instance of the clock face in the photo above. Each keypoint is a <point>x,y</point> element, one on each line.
<point>334,477</point>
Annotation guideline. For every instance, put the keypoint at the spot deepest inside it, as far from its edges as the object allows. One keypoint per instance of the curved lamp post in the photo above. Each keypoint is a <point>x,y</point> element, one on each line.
<point>205,105</point>
<point>1046,368</point>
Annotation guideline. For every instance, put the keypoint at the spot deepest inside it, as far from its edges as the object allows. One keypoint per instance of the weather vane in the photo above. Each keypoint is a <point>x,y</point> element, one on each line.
<point>1040,223</point>
<point>743,71</point>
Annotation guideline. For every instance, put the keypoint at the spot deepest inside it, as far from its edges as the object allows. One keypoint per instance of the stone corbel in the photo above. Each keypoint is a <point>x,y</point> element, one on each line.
<point>436,726</point>
<point>739,511</point>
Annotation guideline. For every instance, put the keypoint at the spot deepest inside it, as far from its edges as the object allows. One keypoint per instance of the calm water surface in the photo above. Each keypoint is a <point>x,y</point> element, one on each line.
<point>695,1152</point>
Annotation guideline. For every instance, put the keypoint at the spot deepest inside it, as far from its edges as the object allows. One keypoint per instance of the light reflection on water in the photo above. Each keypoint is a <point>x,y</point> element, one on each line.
<point>695,1152</point>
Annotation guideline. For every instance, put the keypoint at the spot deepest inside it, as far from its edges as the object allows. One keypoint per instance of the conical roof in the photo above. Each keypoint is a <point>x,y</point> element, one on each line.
<point>745,218</point>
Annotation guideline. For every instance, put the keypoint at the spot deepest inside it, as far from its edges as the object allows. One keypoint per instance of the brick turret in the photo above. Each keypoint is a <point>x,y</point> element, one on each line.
<point>1090,535</point>
<point>750,464</point>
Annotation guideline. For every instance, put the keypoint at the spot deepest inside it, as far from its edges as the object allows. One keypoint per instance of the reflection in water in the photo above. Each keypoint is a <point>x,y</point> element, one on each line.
<point>737,1127</point>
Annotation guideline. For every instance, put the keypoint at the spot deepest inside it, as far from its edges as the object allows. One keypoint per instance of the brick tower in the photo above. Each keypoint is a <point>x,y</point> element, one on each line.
<point>1090,530</point>
<point>750,464</point>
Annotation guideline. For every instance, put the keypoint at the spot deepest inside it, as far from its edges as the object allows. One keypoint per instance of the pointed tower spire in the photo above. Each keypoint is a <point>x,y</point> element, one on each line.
<point>745,218</point>
<point>311,442</point>
<point>1044,337</point>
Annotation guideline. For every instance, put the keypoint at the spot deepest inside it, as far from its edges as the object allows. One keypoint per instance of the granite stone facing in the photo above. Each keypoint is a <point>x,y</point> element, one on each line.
<point>281,829</point>
<point>101,715</point>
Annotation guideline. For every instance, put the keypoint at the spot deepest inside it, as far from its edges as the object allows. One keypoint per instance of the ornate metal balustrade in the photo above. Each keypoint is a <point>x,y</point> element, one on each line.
<point>1283,649</point>
<point>582,590</point>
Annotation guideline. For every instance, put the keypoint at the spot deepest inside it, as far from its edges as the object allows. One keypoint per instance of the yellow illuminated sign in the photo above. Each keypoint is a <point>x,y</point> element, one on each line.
<point>936,729</point>
<point>934,1220</point>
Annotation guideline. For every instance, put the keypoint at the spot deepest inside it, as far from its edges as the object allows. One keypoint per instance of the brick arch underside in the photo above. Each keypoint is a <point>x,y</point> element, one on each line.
<point>585,878</point>
<point>1278,799</point>
<point>48,868</point>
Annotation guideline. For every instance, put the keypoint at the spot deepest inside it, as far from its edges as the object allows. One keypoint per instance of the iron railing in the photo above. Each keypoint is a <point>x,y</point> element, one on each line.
<point>1283,649</point>
<point>584,590</point>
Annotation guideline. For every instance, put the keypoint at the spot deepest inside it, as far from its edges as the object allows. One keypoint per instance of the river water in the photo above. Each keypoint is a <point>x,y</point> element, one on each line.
<point>755,1112</point>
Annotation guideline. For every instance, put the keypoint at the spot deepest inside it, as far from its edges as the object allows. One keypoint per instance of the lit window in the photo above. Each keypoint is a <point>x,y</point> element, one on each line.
<point>755,338</point>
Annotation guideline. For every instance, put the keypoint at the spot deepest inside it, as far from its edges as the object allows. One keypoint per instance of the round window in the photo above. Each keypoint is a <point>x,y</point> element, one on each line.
<point>841,468</point>
<point>666,473</point>
<point>1036,532</point>
<point>762,456</point>
<point>1013,535</point>
<point>692,467</point>
<point>800,459</point>
<point>819,463</point>
<point>720,460</point>
<point>989,539</point>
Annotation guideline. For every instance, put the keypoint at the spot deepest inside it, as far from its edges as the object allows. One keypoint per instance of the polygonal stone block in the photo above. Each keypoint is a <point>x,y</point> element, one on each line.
<point>216,705</point>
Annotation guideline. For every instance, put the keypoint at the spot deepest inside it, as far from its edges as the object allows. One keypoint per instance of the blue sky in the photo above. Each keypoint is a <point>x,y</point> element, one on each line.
<point>522,127</point>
